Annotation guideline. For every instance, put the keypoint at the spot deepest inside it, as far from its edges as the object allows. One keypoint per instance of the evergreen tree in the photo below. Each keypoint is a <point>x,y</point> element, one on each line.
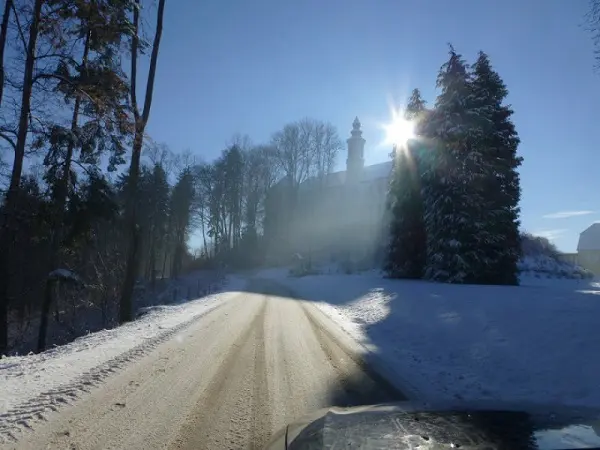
<point>94,200</point>
<point>500,188</point>
<point>234,185</point>
<point>95,83</point>
<point>182,200</point>
<point>153,217</point>
<point>406,251</point>
<point>455,231</point>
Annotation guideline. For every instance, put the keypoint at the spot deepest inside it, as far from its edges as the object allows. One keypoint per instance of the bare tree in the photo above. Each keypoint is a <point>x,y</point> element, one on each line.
<point>292,155</point>
<point>202,185</point>
<point>326,145</point>
<point>160,153</point>
<point>3,34</point>
<point>306,148</point>
<point>125,309</point>
<point>9,219</point>
<point>260,173</point>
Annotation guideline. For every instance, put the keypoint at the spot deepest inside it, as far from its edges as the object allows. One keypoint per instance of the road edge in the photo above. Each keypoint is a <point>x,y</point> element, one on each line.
<point>356,350</point>
<point>376,367</point>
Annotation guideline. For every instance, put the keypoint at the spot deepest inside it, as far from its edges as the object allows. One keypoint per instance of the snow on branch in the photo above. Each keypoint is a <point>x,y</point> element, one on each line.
<point>66,275</point>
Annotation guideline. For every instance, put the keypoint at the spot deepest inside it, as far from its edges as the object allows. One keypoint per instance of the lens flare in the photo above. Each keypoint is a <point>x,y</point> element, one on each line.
<point>399,131</point>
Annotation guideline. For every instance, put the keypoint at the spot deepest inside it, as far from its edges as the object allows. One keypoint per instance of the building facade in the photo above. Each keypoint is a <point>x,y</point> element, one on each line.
<point>340,216</point>
<point>588,249</point>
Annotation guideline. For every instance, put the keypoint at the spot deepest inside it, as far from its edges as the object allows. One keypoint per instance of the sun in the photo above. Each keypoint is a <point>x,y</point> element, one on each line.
<point>399,131</point>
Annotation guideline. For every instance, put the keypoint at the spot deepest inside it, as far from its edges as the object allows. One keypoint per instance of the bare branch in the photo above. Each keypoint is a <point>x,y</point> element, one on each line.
<point>23,40</point>
<point>8,139</point>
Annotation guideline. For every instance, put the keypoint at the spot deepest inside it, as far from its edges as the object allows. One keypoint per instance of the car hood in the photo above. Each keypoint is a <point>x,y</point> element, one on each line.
<point>411,425</point>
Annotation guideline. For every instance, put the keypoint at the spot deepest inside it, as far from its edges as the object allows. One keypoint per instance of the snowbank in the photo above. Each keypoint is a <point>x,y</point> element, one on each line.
<point>541,259</point>
<point>536,342</point>
<point>31,383</point>
<point>551,267</point>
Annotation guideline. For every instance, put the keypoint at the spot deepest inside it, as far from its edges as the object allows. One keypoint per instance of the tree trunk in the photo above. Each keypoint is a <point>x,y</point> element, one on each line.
<point>125,311</point>
<point>125,305</point>
<point>9,221</point>
<point>45,312</point>
<point>204,234</point>
<point>153,265</point>
<point>164,264</point>
<point>173,270</point>
<point>3,33</point>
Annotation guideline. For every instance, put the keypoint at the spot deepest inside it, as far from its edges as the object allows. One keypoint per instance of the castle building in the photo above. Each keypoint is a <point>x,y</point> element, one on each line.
<point>339,216</point>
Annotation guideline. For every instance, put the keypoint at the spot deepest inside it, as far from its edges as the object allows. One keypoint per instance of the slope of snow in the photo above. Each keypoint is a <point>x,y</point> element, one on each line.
<point>551,267</point>
<point>537,342</point>
<point>541,259</point>
<point>31,383</point>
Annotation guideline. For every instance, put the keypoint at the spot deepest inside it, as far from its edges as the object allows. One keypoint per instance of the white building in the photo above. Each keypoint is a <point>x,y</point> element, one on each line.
<point>588,248</point>
<point>341,215</point>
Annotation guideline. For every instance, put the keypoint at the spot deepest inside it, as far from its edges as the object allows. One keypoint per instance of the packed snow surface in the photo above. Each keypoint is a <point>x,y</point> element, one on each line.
<point>537,342</point>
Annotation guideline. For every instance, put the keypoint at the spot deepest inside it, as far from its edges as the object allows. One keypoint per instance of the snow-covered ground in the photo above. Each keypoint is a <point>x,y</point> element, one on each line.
<point>537,342</point>
<point>34,382</point>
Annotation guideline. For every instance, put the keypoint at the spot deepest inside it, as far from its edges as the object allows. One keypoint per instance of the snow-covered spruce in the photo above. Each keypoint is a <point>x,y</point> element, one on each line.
<point>500,190</point>
<point>470,184</point>
<point>407,240</point>
<point>452,199</point>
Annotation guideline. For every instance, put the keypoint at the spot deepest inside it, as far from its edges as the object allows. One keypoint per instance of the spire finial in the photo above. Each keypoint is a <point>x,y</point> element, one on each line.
<point>356,131</point>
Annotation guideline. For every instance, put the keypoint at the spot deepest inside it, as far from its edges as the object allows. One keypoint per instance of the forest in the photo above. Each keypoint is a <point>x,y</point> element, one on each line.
<point>96,214</point>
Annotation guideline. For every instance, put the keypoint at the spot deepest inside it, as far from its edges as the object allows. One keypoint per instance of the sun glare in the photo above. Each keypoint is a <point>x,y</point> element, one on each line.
<point>399,131</point>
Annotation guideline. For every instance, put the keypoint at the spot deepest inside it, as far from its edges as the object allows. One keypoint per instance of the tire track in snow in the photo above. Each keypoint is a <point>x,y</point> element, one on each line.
<point>198,431</point>
<point>260,399</point>
<point>26,414</point>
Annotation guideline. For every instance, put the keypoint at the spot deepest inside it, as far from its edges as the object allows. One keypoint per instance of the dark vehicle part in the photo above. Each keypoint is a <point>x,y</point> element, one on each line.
<point>410,425</point>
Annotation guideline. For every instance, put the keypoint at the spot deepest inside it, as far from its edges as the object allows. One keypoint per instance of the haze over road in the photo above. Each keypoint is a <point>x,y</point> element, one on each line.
<point>229,380</point>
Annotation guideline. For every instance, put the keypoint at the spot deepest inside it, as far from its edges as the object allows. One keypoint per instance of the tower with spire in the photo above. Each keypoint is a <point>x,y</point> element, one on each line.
<point>356,148</point>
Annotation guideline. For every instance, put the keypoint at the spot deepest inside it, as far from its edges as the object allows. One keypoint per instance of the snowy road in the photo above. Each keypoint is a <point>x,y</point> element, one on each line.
<point>230,380</point>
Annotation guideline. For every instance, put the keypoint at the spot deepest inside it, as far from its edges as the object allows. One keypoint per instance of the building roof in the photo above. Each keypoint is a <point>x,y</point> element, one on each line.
<point>589,239</point>
<point>369,173</point>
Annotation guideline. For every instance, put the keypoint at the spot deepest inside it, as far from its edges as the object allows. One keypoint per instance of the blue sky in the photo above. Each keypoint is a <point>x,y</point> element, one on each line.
<point>249,67</point>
